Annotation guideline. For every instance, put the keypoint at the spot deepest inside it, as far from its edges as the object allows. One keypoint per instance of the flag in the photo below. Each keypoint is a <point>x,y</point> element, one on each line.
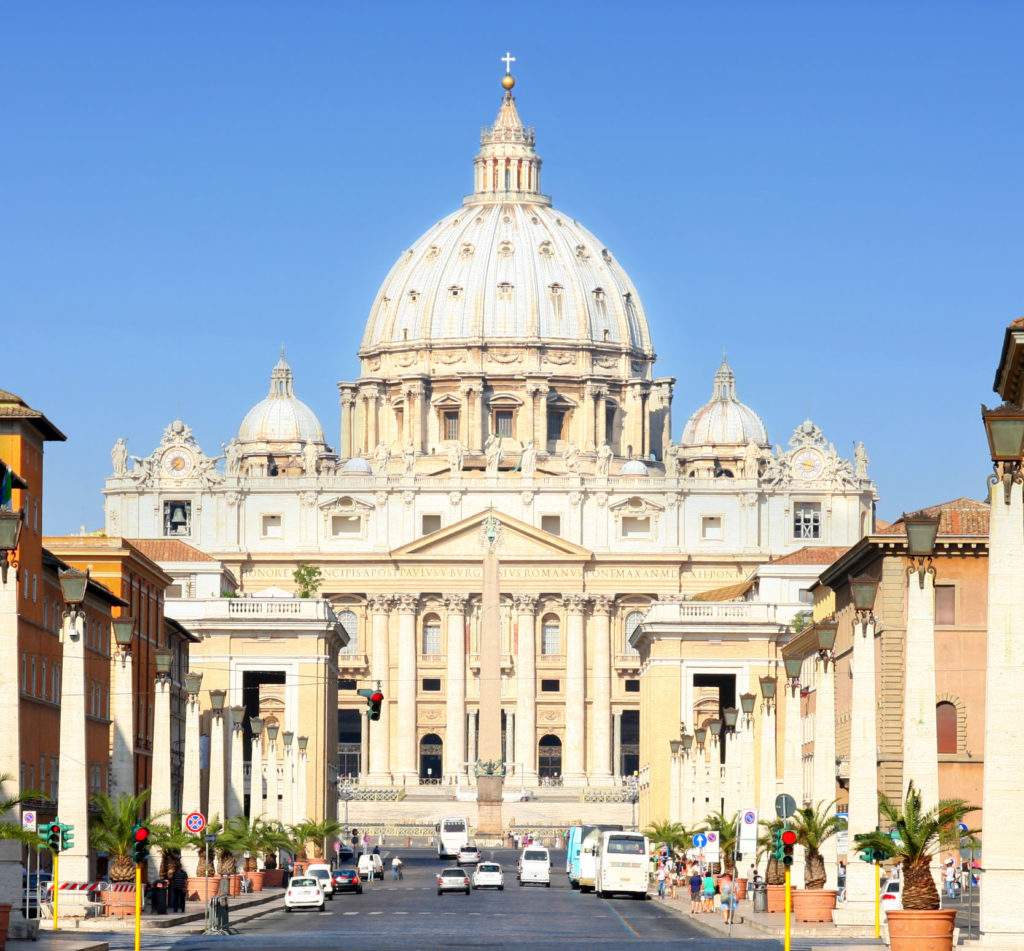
<point>6,484</point>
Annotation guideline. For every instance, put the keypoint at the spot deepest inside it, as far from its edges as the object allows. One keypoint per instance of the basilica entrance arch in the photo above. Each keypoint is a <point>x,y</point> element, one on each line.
<point>550,757</point>
<point>431,757</point>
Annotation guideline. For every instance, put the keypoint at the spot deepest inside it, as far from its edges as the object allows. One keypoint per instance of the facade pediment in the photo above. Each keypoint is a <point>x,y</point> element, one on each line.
<point>344,504</point>
<point>518,541</point>
<point>636,505</point>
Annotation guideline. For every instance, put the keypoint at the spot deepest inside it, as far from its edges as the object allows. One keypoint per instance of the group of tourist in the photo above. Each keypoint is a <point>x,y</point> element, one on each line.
<point>708,893</point>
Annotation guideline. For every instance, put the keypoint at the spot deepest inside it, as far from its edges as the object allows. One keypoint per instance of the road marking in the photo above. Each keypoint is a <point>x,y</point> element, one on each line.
<point>400,912</point>
<point>625,924</point>
<point>350,912</point>
<point>375,913</point>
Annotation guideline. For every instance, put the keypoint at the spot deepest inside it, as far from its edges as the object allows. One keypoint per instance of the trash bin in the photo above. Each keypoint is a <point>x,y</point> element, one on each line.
<point>160,898</point>
<point>760,898</point>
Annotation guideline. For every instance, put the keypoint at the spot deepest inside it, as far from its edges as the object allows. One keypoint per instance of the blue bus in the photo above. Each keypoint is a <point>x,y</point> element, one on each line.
<point>572,853</point>
<point>574,848</point>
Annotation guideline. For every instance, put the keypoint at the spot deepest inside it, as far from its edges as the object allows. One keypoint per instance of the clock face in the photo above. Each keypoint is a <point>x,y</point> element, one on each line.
<point>177,463</point>
<point>808,463</point>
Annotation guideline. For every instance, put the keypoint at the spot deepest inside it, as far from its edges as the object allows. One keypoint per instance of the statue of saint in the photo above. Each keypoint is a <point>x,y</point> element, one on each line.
<point>456,455</point>
<point>528,460</point>
<point>571,458</point>
<point>671,460</point>
<point>493,452</point>
<point>860,462</point>
<point>119,456</point>
<point>751,460</point>
<point>604,459</point>
<point>232,457</point>
<point>409,459</point>
<point>381,458</point>
<point>310,457</point>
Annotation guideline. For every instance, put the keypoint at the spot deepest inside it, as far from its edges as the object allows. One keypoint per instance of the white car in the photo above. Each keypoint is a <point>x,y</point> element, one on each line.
<point>304,892</point>
<point>892,894</point>
<point>469,855</point>
<point>489,875</point>
<point>535,866</point>
<point>370,866</point>
<point>452,880</point>
<point>322,873</point>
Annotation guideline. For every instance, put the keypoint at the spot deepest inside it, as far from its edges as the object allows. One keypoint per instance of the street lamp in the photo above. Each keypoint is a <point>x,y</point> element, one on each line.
<point>124,631</point>
<point>287,736</point>
<point>747,702</point>
<point>164,658</point>
<point>731,715</point>
<point>686,740</point>
<point>237,716</point>
<point>303,743</point>
<point>793,667</point>
<point>715,726</point>
<point>826,631</point>
<point>674,746</point>
<point>272,731</point>
<point>922,530</point>
<point>73,585</point>
<point>10,532</point>
<point>217,698</point>
<point>256,725</point>
<point>701,734</point>
<point>863,590</point>
<point>768,685</point>
<point>193,681</point>
<point>1004,426</point>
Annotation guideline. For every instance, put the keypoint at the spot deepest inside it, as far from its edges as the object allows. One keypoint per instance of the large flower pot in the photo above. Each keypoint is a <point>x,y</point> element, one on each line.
<point>202,889</point>
<point>300,866</point>
<point>235,884</point>
<point>921,930</point>
<point>273,877</point>
<point>257,880</point>
<point>741,889</point>
<point>776,898</point>
<point>5,920</point>
<point>121,904</point>
<point>813,904</point>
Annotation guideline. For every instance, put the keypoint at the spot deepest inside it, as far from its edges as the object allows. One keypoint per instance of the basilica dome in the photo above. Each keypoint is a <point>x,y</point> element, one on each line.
<point>724,420</point>
<point>281,417</point>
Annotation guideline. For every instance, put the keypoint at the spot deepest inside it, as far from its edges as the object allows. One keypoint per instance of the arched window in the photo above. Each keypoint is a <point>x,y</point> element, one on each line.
<point>431,634</point>
<point>633,620</point>
<point>550,641</point>
<point>946,726</point>
<point>350,622</point>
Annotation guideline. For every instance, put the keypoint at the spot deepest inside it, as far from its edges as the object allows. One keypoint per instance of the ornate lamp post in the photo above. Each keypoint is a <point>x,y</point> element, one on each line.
<point>731,792</point>
<point>288,787</point>
<point>271,806</point>
<point>236,787</point>
<point>122,765</point>
<point>302,805</point>
<point>11,523</point>
<point>216,805</point>
<point>823,786</point>
<point>191,796</point>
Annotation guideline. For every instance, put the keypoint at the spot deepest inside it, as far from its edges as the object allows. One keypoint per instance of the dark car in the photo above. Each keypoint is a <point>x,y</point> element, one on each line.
<point>347,880</point>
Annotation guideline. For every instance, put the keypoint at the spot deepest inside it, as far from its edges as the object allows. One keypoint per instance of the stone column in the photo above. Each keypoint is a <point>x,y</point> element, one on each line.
<point>675,810</point>
<point>863,791</point>
<point>731,791</point>
<point>256,776</point>
<point>301,784</point>
<point>701,806</point>
<point>380,738</point>
<point>216,804</point>
<point>824,767</point>
<point>602,415</point>
<point>474,393</point>
<point>288,786</point>
<point>542,417</point>
<point>471,744</point>
<point>714,774</point>
<point>347,443</point>
<point>575,705</point>
<point>372,422</point>
<point>600,770</point>
<point>793,768</point>
<point>617,745</point>
<point>10,726</point>
<point>531,414</point>
<point>1002,925</point>
<point>510,736</point>
<point>122,753</point>
<point>526,685</point>
<point>273,807</point>
<point>766,792</point>
<point>748,765</point>
<point>407,604</point>
<point>160,797</point>
<point>236,787</point>
<point>588,419</point>
<point>920,742</point>
<point>74,762</point>
<point>455,703</point>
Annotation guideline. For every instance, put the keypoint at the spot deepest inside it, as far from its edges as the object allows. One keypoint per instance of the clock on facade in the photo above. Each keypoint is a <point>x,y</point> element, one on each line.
<point>807,464</point>
<point>177,463</point>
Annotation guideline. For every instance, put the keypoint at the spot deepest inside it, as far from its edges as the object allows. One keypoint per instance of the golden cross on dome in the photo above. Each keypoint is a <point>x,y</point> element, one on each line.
<point>508,59</point>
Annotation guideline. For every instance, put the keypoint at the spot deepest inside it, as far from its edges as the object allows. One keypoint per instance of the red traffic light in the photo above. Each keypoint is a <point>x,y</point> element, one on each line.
<point>377,696</point>
<point>141,834</point>
<point>789,837</point>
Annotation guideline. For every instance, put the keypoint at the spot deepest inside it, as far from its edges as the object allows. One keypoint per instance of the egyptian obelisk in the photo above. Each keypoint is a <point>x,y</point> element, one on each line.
<point>490,767</point>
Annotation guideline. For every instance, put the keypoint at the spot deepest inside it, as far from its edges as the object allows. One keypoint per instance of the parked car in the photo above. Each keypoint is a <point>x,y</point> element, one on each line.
<point>323,873</point>
<point>452,880</point>
<point>304,892</point>
<point>892,894</point>
<point>469,855</point>
<point>347,880</point>
<point>535,866</point>
<point>489,875</point>
<point>370,866</point>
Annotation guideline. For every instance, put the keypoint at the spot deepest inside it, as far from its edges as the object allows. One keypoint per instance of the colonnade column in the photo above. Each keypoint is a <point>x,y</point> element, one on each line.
<point>215,805</point>
<point>767,769</point>
<point>510,737</point>
<point>600,768</point>
<point>455,706</point>
<point>122,759</point>
<point>236,786</point>
<point>380,730</point>
<point>526,685</point>
<point>473,393</point>
<point>364,747</point>
<point>824,767</point>
<point>715,773</point>
<point>74,763</point>
<point>347,443</point>
<point>731,792</point>
<point>288,785</point>
<point>160,797</point>
<point>748,774</point>
<point>920,742</point>
<point>256,769</point>
<point>587,436</point>
<point>575,704</point>
<point>471,744</point>
<point>407,685</point>
<point>301,787</point>
<point>372,435</point>
<point>602,415</point>
<point>191,785</point>
<point>617,745</point>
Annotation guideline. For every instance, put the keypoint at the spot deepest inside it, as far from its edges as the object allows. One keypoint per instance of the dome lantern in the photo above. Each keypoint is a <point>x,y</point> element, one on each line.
<point>281,417</point>
<point>724,420</point>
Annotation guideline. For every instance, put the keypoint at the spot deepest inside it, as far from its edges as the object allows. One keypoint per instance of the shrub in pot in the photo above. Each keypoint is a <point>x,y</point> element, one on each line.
<point>814,826</point>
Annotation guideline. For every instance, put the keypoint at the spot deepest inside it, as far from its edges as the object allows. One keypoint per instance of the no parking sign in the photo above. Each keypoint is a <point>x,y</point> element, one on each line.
<point>195,822</point>
<point>712,851</point>
<point>748,831</point>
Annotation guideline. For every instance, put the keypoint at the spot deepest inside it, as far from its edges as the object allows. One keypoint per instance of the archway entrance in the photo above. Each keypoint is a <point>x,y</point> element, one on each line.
<point>550,758</point>
<point>431,750</point>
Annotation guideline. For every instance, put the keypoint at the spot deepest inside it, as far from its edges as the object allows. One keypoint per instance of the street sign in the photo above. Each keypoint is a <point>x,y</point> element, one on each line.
<point>843,835</point>
<point>785,805</point>
<point>28,820</point>
<point>712,851</point>
<point>748,831</point>
<point>337,846</point>
<point>195,822</point>
<point>700,840</point>
<point>210,837</point>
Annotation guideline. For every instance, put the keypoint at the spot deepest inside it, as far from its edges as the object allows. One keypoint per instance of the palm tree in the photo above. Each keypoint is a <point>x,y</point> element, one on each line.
<point>814,827</point>
<point>113,831</point>
<point>300,835</point>
<point>672,834</point>
<point>922,835</point>
<point>726,829</point>
<point>171,839</point>
<point>14,830</point>
<point>775,873</point>
<point>317,833</point>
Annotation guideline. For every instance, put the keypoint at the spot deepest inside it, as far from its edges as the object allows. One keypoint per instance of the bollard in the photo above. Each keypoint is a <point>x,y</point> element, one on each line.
<point>217,918</point>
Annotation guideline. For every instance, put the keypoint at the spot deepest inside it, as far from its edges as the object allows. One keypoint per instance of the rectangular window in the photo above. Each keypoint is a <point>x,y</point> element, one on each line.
<point>807,520</point>
<point>272,526</point>
<point>634,526</point>
<point>42,682</point>
<point>632,686</point>
<point>431,523</point>
<point>805,596</point>
<point>432,637</point>
<point>177,518</point>
<point>550,686</point>
<point>345,684</point>
<point>555,419</point>
<point>346,526</point>
<point>450,423</point>
<point>552,524</point>
<point>32,686</point>
<point>431,684</point>
<point>945,604</point>
<point>173,591</point>
<point>503,423</point>
<point>711,528</point>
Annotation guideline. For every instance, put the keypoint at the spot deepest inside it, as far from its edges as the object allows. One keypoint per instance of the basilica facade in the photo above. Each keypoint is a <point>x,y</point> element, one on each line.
<point>507,370</point>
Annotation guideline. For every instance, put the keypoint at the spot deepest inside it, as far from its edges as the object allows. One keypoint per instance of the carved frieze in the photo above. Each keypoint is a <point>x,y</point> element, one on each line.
<point>450,357</point>
<point>506,355</point>
<point>560,358</point>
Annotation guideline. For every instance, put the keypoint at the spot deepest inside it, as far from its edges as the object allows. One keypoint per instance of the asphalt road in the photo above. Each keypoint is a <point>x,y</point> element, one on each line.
<point>409,915</point>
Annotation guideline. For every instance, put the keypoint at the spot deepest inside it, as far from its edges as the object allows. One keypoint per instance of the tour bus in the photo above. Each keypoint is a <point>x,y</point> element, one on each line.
<point>590,841</point>
<point>572,852</point>
<point>452,835</point>
<point>622,864</point>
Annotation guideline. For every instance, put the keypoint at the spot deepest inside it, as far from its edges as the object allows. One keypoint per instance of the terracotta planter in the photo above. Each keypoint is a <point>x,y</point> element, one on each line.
<point>273,877</point>
<point>235,884</point>
<point>202,889</point>
<point>257,880</point>
<point>921,930</point>
<point>813,904</point>
<point>741,889</point>
<point>118,904</point>
<point>5,920</point>
<point>300,866</point>
<point>777,898</point>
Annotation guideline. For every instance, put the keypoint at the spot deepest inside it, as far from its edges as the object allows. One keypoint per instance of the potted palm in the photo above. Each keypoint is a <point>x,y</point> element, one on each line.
<point>299,838</point>
<point>919,835</point>
<point>242,834</point>
<point>814,826</point>
<point>775,873</point>
<point>14,830</point>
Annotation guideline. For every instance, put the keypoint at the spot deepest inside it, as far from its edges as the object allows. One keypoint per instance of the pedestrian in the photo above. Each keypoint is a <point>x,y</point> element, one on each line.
<point>179,883</point>
<point>707,892</point>
<point>728,897</point>
<point>695,886</point>
<point>396,868</point>
<point>751,875</point>
<point>673,879</point>
<point>949,878</point>
<point>662,876</point>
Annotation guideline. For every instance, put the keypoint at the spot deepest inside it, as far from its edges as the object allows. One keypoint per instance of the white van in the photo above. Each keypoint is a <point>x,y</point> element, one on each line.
<point>323,874</point>
<point>370,866</point>
<point>535,866</point>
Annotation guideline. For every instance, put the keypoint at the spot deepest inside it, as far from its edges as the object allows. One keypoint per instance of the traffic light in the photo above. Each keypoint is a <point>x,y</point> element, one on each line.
<point>53,836</point>
<point>374,698</point>
<point>140,849</point>
<point>67,836</point>
<point>788,844</point>
<point>44,833</point>
<point>867,855</point>
<point>777,850</point>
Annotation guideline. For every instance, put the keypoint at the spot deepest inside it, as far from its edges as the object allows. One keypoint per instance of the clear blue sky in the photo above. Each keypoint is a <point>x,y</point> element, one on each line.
<point>831,192</point>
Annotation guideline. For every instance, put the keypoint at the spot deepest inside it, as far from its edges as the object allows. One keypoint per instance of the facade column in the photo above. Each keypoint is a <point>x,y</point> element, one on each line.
<point>372,421</point>
<point>407,692</point>
<point>122,753</point>
<point>600,768</point>
<point>715,774</point>
<point>588,419</point>
<point>288,786</point>
<point>455,703</point>
<point>920,740</point>
<point>731,792</point>
<point>602,415</point>
<point>575,704</point>
<point>216,806</point>
<point>379,730</point>
<point>236,785</point>
<point>617,745</point>
<point>824,766</point>
<point>674,788</point>
<point>160,797</point>
<point>526,685</point>
<point>191,786</point>
<point>346,442</point>
<point>510,737</point>
<point>273,806</point>
<point>766,759</point>
<point>531,415</point>
<point>474,394</point>
<point>542,417</point>
<point>471,745</point>
<point>793,769</point>
<point>74,763</point>
<point>303,792</point>
<point>700,785</point>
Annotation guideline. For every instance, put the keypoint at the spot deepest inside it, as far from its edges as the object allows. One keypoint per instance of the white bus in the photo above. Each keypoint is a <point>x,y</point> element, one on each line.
<point>622,864</point>
<point>590,842</point>
<point>452,835</point>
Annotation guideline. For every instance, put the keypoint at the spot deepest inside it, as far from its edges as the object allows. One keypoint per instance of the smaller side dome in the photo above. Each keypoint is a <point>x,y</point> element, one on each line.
<point>281,417</point>
<point>724,420</point>
<point>633,468</point>
<point>358,465</point>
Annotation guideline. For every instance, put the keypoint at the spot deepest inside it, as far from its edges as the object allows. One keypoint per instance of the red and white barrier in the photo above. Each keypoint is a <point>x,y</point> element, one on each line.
<point>92,886</point>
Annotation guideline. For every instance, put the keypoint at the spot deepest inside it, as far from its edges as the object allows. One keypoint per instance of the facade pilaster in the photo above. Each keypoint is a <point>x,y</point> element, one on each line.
<point>380,738</point>
<point>273,802</point>
<point>575,703</point>
<point>371,395</point>
<point>600,768</point>
<point>122,762</point>
<point>542,417</point>
<point>766,773</point>
<point>347,400</point>
<point>471,743</point>
<point>824,766</point>
<point>256,794</point>
<point>526,685</point>
<point>160,797</point>
<point>74,777</point>
<point>588,418</point>
<point>510,737</point>
<point>407,604</point>
<point>920,742</point>
<point>602,415</point>
<point>455,704</point>
<point>216,805</point>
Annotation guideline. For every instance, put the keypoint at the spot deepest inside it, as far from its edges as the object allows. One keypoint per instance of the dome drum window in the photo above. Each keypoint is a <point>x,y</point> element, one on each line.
<point>505,290</point>
<point>454,292</point>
